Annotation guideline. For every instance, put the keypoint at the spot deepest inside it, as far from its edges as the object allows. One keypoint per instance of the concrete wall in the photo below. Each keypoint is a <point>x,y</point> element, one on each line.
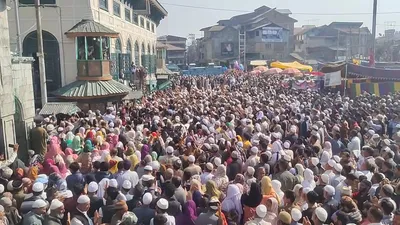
<point>59,19</point>
<point>6,84</point>
<point>23,91</point>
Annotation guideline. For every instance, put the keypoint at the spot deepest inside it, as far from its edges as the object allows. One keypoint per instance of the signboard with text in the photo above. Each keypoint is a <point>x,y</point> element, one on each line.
<point>272,34</point>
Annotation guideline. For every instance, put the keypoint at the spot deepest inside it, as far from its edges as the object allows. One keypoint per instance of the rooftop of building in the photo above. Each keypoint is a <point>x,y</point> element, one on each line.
<point>248,18</point>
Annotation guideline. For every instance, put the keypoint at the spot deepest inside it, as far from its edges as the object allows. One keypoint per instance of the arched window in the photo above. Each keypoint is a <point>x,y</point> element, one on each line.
<point>128,47</point>
<point>148,49</point>
<point>143,49</point>
<point>118,48</point>
<point>136,54</point>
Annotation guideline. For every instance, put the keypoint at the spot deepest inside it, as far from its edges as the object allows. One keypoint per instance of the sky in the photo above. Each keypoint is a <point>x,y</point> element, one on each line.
<point>187,19</point>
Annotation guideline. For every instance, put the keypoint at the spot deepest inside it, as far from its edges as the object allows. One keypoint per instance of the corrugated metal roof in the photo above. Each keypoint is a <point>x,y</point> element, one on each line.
<point>133,95</point>
<point>95,89</point>
<point>59,107</point>
<point>164,71</point>
<point>216,28</point>
<point>90,26</point>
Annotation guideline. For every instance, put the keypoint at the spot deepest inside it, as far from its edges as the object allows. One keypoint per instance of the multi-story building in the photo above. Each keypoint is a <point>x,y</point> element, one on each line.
<point>267,34</point>
<point>388,46</point>
<point>135,21</point>
<point>336,41</point>
<point>176,49</point>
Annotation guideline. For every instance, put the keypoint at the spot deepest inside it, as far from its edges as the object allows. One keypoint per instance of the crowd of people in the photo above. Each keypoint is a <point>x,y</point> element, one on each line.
<point>223,150</point>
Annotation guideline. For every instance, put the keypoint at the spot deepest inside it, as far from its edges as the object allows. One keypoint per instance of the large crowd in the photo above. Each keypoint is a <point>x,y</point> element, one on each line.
<point>222,150</point>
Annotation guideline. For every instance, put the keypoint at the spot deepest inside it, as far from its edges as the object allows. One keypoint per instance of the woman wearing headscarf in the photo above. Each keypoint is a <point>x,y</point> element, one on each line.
<point>81,131</point>
<point>53,149</point>
<point>308,179</point>
<point>47,166</point>
<point>145,151</point>
<point>85,158</point>
<point>195,191</point>
<point>132,157</point>
<point>250,202</point>
<point>267,190</point>
<point>69,138</point>
<point>220,178</point>
<point>212,190</point>
<point>298,189</point>
<point>105,147</point>
<point>326,153</point>
<point>33,173</point>
<point>272,211</point>
<point>276,185</point>
<point>300,172</point>
<point>241,183</point>
<point>349,208</point>
<point>189,214</point>
<point>70,157</point>
<point>63,170</point>
<point>232,202</point>
<point>77,144</point>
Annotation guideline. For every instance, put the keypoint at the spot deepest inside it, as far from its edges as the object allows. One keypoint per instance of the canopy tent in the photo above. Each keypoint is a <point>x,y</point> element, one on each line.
<point>273,71</point>
<point>293,65</point>
<point>291,71</point>
<point>261,68</point>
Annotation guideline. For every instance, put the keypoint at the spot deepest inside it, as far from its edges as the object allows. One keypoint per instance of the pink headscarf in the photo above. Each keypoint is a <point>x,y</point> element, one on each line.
<point>105,146</point>
<point>70,152</point>
<point>53,149</point>
<point>62,170</point>
<point>48,166</point>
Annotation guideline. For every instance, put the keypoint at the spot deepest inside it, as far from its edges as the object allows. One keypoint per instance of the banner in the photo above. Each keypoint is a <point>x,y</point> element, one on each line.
<point>272,34</point>
<point>333,79</point>
<point>227,49</point>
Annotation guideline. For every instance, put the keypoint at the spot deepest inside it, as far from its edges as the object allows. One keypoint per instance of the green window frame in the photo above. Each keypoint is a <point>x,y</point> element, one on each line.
<point>128,15</point>
<point>117,8</point>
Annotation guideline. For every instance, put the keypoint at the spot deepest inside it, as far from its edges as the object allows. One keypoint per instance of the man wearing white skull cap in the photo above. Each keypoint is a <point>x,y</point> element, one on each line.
<point>56,213</point>
<point>81,217</point>
<point>36,215</point>
<point>161,208</point>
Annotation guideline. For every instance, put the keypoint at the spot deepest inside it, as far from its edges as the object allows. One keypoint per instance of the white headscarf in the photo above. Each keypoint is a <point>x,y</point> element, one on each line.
<point>276,185</point>
<point>308,179</point>
<point>232,200</point>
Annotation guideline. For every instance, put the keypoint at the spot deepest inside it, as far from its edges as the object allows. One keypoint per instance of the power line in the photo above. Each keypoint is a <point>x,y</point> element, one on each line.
<point>295,13</point>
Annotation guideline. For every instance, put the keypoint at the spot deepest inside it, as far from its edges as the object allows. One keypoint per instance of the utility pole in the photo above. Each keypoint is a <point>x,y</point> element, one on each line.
<point>19,42</point>
<point>374,29</point>
<point>40,54</point>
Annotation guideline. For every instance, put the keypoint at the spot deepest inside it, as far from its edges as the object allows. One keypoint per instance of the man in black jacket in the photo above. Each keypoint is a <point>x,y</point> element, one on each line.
<point>235,167</point>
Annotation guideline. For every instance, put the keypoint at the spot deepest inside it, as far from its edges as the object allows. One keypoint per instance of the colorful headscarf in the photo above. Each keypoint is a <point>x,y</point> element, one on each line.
<point>77,144</point>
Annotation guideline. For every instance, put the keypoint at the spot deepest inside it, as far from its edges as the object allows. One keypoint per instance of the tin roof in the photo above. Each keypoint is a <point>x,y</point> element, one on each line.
<point>83,89</point>
<point>164,71</point>
<point>59,107</point>
<point>89,27</point>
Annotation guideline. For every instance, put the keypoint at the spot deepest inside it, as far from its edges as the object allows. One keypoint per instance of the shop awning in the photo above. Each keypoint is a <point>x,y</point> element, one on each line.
<point>68,108</point>
<point>83,89</point>
<point>90,28</point>
<point>293,65</point>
